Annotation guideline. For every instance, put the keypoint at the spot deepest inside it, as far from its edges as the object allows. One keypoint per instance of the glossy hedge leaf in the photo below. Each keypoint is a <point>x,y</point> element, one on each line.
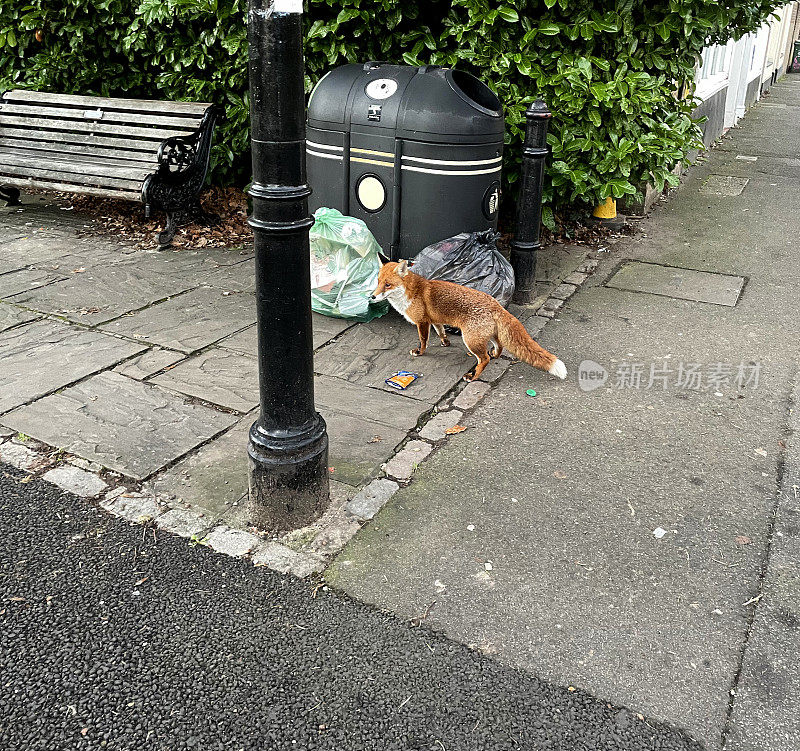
<point>550,29</point>
<point>508,14</point>
<point>548,220</point>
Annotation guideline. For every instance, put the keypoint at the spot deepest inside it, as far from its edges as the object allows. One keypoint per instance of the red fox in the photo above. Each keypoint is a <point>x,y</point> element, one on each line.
<point>482,320</point>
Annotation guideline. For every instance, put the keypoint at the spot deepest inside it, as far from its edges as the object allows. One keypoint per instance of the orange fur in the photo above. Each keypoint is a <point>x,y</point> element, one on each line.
<point>485,325</point>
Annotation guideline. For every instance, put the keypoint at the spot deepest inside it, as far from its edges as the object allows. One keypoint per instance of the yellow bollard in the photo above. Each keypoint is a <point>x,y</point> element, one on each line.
<point>605,214</point>
<point>606,210</point>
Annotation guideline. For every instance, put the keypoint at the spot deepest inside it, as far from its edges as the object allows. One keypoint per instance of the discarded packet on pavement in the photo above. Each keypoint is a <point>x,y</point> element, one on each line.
<point>402,379</point>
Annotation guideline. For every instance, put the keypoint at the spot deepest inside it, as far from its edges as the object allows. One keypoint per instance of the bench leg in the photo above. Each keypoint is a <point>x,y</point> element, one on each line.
<point>10,196</point>
<point>166,236</point>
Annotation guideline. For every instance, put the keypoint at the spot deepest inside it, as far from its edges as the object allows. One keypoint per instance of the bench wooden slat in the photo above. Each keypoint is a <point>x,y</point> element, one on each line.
<point>99,115</point>
<point>128,105</point>
<point>150,147</point>
<point>33,182</point>
<point>44,149</point>
<point>68,175</point>
<point>22,156</point>
<point>122,131</point>
<point>95,169</point>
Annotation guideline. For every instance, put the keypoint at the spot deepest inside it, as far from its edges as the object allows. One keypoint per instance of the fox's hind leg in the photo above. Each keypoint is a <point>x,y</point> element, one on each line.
<point>477,346</point>
<point>423,329</point>
<point>442,334</point>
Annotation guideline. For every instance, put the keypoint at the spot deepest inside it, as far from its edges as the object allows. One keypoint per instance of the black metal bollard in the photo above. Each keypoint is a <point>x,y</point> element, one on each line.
<point>529,204</point>
<point>288,447</point>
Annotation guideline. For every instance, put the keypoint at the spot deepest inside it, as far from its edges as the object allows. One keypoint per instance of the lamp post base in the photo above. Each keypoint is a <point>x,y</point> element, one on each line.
<point>288,477</point>
<point>523,261</point>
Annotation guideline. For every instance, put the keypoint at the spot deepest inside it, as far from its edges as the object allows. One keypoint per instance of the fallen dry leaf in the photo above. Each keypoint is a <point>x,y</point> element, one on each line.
<point>560,475</point>
<point>455,429</point>
<point>743,540</point>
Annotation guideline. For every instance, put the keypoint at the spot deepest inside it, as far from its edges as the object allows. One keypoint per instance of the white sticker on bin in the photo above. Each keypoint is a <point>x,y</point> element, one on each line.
<point>287,6</point>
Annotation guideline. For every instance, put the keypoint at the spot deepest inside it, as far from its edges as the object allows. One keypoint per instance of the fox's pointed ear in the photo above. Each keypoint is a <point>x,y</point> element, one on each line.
<point>402,268</point>
<point>383,259</point>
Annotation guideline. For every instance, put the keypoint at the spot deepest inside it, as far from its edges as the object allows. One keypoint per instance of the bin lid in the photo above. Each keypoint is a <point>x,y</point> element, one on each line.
<point>429,103</point>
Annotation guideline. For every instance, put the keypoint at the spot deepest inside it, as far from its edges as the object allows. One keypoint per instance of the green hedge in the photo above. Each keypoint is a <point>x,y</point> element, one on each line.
<point>610,71</point>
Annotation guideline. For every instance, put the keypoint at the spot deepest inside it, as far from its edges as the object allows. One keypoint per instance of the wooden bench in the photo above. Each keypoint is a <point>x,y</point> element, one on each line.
<point>138,150</point>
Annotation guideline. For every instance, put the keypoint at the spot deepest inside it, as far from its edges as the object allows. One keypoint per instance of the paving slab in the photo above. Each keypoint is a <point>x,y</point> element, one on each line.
<point>686,284</point>
<point>473,392</point>
<point>31,249</point>
<point>219,376</point>
<point>190,321</point>
<point>240,276</point>
<point>371,499</point>
<point>24,280</point>
<point>185,523</point>
<point>128,426</point>
<point>11,316</point>
<point>325,329</point>
<point>364,427</point>
<point>149,362</point>
<point>19,456</point>
<point>436,428</point>
<point>370,353</point>
<point>214,477</point>
<point>104,292</point>
<point>355,453</point>
<point>233,542</point>
<point>204,260</point>
<point>285,560</point>
<point>376,405</point>
<point>723,185</point>
<point>76,480</point>
<point>135,507</point>
<point>405,462</point>
<point>554,262</point>
<point>43,356</point>
<point>7,234</point>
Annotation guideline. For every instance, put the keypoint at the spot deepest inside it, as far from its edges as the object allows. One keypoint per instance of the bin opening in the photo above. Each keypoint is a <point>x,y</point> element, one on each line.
<point>475,92</point>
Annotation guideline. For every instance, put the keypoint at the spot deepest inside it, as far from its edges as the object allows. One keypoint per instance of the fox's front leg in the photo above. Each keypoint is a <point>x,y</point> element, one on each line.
<point>442,334</point>
<point>423,329</point>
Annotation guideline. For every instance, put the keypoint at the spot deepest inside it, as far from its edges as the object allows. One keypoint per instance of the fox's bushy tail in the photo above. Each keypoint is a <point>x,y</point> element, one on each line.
<point>512,335</point>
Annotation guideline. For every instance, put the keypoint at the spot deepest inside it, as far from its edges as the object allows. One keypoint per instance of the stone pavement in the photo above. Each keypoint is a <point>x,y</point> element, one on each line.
<point>638,536</point>
<point>140,366</point>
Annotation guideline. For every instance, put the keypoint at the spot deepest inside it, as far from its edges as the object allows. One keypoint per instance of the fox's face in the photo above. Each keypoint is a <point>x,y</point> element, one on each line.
<point>390,281</point>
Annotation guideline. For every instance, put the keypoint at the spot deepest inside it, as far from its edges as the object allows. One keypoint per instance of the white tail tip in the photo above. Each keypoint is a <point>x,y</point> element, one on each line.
<point>558,369</point>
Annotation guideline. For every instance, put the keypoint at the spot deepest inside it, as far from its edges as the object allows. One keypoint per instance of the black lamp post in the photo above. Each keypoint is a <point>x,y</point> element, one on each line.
<point>529,204</point>
<point>288,447</point>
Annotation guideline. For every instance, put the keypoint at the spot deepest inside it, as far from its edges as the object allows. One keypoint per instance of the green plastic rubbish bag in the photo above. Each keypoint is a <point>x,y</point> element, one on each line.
<point>344,267</point>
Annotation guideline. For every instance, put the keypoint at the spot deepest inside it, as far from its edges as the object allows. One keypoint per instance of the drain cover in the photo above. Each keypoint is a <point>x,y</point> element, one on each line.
<point>685,284</point>
<point>723,185</point>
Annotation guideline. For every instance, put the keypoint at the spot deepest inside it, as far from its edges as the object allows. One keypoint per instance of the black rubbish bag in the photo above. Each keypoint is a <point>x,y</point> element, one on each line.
<point>471,259</point>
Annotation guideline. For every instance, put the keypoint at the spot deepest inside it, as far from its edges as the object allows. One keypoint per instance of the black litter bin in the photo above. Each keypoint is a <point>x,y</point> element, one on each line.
<point>414,152</point>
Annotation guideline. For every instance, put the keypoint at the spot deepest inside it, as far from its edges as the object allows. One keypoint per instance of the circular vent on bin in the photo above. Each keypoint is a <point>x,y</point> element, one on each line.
<point>371,193</point>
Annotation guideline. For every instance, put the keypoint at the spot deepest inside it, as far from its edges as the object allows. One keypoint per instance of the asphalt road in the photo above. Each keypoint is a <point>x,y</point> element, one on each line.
<point>113,638</point>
